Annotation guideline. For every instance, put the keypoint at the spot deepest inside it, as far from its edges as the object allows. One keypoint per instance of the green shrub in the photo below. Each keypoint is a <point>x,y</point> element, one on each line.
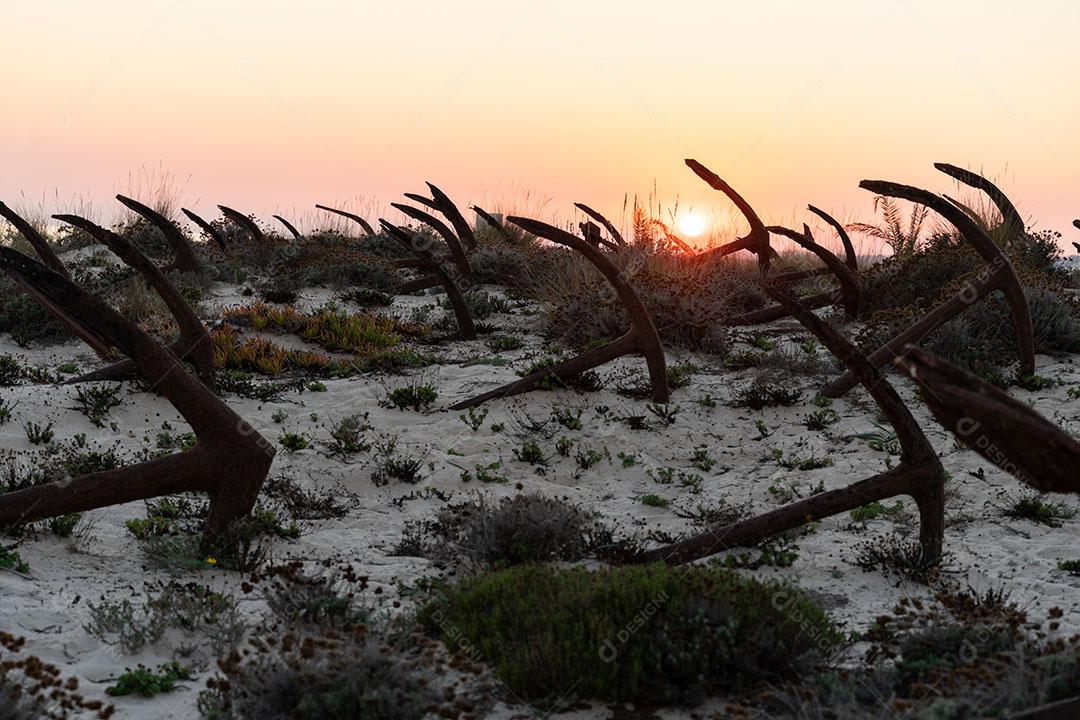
<point>28,322</point>
<point>874,510</point>
<point>347,436</point>
<point>1032,506</point>
<point>530,452</point>
<point>416,397</point>
<point>145,682</point>
<point>482,305</point>
<point>95,401</point>
<point>396,361</point>
<point>293,442</point>
<point>654,501</point>
<point>64,525</point>
<point>647,634</point>
<point>504,343</point>
<point>365,297</point>
<point>39,434</point>
<point>1070,566</point>
<point>11,371</point>
<point>9,559</point>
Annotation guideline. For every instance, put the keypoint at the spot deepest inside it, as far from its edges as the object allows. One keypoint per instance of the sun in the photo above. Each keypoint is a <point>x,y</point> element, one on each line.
<point>691,225</point>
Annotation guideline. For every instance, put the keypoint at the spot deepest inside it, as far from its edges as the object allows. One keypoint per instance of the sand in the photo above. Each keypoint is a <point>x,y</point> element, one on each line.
<point>48,605</point>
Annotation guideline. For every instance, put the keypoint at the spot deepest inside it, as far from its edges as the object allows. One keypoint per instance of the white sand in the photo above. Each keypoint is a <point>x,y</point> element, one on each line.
<point>48,606</point>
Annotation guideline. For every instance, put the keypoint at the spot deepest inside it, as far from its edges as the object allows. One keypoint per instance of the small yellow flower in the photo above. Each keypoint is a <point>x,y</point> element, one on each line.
<point>211,561</point>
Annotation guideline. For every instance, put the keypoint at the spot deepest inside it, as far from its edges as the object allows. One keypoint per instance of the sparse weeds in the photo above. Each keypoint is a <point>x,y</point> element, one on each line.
<point>587,457</point>
<point>328,600</point>
<point>473,418</point>
<point>821,419</point>
<point>347,436</point>
<point>898,557</point>
<point>198,613</point>
<point>302,504</point>
<point>669,475</point>
<point>569,418</point>
<point>39,434</point>
<point>883,440</point>
<point>486,474</point>
<point>664,412</point>
<point>804,463</point>
<point>587,381</point>
<point>701,459</point>
<point>1035,508</point>
<point>780,551</point>
<point>762,393</point>
<point>392,466</point>
<point>96,401</point>
<point>11,371</point>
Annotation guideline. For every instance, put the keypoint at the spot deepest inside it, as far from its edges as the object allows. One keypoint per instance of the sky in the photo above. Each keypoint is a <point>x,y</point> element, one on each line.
<point>273,106</point>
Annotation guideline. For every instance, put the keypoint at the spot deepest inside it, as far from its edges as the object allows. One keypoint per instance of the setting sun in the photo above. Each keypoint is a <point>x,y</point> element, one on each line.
<point>691,225</point>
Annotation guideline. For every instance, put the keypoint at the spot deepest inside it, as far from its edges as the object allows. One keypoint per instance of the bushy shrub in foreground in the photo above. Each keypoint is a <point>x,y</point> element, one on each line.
<point>650,634</point>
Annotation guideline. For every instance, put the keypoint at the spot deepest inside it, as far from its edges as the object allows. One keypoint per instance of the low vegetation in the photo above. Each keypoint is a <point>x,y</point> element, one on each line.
<point>647,634</point>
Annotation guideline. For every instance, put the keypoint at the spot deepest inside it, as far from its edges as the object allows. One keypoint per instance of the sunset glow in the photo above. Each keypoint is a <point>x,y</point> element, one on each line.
<point>691,225</point>
<point>275,107</point>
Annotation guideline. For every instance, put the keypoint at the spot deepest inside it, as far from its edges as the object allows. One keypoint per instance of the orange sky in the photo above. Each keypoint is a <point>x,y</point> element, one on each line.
<point>273,106</point>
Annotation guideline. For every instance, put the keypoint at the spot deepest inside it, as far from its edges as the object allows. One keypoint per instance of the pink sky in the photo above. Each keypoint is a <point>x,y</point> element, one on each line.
<point>272,107</point>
